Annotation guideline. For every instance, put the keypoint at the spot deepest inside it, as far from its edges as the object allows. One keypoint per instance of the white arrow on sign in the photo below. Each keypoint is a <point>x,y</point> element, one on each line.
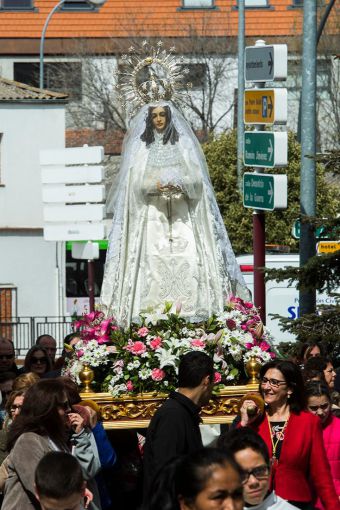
<point>270,192</point>
<point>270,149</point>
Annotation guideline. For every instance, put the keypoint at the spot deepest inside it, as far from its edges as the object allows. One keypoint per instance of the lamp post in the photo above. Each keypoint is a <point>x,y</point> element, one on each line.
<point>95,3</point>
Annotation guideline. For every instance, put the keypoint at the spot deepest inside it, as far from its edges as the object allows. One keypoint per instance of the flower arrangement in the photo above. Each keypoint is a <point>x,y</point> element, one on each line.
<point>145,357</point>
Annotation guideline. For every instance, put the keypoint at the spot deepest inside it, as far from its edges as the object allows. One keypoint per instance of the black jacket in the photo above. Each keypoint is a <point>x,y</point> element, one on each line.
<point>173,430</point>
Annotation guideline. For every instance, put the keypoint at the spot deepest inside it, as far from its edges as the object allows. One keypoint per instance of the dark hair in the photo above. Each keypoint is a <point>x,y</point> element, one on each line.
<point>314,368</point>
<point>195,470</point>
<point>306,348</point>
<point>170,132</point>
<point>317,389</point>
<point>6,341</point>
<point>242,438</point>
<point>39,413</point>
<point>12,396</point>
<point>38,340</point>
<point>58,475</point>
<point>30,354</point>
<point>293,377</point>
<point>185,477</point>
<point>193,367</point>
<point>71,390</point>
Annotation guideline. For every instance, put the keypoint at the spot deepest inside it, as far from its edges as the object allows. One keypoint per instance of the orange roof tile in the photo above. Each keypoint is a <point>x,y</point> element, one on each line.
<point>154,18</point>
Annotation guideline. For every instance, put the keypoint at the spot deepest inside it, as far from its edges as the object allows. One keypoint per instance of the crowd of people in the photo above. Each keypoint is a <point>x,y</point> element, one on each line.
<point>282,452</point>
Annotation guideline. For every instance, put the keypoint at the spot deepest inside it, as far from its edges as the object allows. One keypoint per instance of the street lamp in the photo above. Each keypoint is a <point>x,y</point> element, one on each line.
<point>95,3</point>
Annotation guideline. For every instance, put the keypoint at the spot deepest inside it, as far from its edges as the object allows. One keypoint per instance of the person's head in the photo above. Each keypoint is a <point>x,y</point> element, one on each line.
<point>320,369</point>
<point>14,403</point>
<point>159,119</point>
<point>251,454</point>
<point>209,479</point>
<point>310,350</point>
<point>71,390</point>
<point>329,373</point>
<point>7,354</point>
<point>319,400</point>
<point>49,344</point>
<point>196,370</point>
<point>25,381</point>
<point>37,361</point>
<point>6,385</point>
<point>281,383</point>
<point>44,411</point>
<point>59,482</point>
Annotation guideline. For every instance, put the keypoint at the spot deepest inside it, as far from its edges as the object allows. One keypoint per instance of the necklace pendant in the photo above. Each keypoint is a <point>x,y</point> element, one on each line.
<point>274,462</point>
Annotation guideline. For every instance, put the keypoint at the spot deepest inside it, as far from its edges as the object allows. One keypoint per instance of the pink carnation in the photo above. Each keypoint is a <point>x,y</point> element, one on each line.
<point>196,342</point>
<point>217,377</point>
<point>248,305</point>
<point>142,332</point>
<point>157,374</point>
<point>137,348</point>
<point>129,386</point>
<point>155,343</point>
<point>80,353</point>
<point>264,346</point>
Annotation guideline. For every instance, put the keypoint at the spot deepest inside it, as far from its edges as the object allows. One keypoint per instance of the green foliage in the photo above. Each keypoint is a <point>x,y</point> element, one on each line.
<point>221,155</point>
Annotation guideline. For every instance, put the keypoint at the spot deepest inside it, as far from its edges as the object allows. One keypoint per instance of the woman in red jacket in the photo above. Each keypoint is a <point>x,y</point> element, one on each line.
<point>319,403</point>
<point>293,436</point>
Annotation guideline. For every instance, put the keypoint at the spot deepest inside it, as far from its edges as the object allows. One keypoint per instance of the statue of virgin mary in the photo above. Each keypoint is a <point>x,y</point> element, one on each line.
<point>168,242</point>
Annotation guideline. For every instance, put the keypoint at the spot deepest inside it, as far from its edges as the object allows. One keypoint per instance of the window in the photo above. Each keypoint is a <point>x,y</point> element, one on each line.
<point>297,3</point>
<point>198,4</point>
<point>256,4</point>
<point>58,76</point>
<point>16,4</point>
<point>77,5</point>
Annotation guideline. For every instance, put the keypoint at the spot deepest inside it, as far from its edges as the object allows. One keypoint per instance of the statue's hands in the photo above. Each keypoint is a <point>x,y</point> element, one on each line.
<point>169,188</point>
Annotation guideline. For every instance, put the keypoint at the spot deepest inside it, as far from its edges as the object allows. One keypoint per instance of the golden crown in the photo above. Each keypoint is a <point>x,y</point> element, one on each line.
<point>164,79</point>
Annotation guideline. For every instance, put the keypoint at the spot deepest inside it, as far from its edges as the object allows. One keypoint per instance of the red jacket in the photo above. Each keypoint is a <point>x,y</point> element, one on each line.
<point>302,456</point>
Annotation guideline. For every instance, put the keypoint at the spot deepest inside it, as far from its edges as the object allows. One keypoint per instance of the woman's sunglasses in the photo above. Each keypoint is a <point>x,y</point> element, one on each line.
<point>38,360</point>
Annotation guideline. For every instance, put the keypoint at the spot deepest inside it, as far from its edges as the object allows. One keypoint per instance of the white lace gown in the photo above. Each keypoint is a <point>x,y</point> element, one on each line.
<point>167,248</point>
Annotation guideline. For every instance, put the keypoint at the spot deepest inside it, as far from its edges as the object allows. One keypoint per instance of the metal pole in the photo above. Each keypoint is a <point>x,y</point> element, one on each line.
<point>90,282</point>
<point>259,239</point>
<point>308,143</point>
<point>240,92</point>
<point>42,41</point>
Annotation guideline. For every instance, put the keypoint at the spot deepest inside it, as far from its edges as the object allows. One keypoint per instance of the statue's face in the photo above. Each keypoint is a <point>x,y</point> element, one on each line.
<point>158,117</point>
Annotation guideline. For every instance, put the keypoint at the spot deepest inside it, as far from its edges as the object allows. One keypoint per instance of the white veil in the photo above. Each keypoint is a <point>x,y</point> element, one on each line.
<point>127,203</point>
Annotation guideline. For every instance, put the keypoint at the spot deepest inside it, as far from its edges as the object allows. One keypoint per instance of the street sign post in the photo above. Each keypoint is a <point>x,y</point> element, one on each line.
<point>265,106</point>
<point>321,232</point>
<point>265,63</point>
<point>265,149</point>
<point>264,191</point>
<point>328,246</point>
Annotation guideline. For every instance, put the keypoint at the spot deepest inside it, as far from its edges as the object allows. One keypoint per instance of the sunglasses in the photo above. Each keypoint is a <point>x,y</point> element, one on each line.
<point>323,407</point>
<point>15,407</point>
<point>6,356</point>
<point>38,360</point>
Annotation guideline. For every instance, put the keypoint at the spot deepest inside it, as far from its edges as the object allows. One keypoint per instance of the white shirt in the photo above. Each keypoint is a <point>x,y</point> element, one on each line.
<point>272,502</point>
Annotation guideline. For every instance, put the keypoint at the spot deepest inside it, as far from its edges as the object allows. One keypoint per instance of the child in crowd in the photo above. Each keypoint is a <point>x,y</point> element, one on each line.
<point>59,483</point>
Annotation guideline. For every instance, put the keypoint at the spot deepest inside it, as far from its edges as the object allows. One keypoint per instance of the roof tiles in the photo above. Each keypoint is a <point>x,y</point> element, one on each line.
<point>154,18</point>
<point>14,91</point>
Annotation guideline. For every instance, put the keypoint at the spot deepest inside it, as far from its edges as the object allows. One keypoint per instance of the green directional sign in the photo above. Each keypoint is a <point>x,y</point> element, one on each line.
<point>259,149</point>
<point>265,148</point>
<point>264,191</point>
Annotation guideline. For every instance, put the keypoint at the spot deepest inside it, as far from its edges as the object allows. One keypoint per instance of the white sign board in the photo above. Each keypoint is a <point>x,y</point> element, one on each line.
<point>265,63</point>
<point>73,194</point>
